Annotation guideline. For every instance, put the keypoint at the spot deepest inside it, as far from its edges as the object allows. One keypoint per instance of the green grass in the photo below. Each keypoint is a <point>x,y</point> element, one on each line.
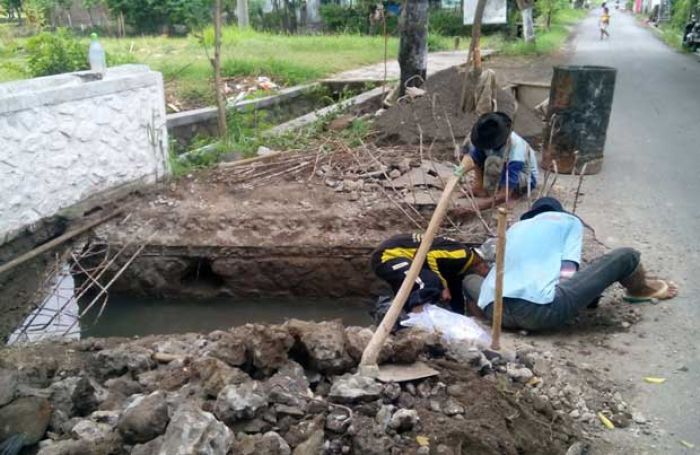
<point>184,62</point>
<point>288,60</point>
<point>672,36</point>
<point>185,66</point>
<point>546,41</point>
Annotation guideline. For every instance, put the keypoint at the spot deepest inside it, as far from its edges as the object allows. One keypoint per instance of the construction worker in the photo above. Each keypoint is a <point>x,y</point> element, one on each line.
<point>505,163</point>
<point>440,278</point>
<point>544,285</point>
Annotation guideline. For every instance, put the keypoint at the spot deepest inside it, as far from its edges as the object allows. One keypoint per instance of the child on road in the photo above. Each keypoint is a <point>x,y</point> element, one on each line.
<point>604,23</point>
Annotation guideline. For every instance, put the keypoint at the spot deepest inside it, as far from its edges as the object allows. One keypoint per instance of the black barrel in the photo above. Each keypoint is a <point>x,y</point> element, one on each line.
<point>580,101</point>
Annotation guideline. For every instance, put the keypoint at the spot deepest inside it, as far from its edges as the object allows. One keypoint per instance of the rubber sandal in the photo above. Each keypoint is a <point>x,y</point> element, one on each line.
<point>664,289</point>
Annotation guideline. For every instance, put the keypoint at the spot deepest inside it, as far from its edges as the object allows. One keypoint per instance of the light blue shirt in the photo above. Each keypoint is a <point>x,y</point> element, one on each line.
<point>535,249</point>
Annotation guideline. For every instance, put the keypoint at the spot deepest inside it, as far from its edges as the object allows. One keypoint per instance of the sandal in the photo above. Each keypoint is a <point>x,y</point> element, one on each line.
<point>660,294</point>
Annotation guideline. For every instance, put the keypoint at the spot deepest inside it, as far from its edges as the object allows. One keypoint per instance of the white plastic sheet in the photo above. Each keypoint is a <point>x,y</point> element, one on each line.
<point>452,327</point>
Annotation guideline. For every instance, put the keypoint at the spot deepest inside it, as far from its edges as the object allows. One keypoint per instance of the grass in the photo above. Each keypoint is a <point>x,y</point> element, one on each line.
<point>546,41</point>
<point>184,62</point>
<point>672,36</point>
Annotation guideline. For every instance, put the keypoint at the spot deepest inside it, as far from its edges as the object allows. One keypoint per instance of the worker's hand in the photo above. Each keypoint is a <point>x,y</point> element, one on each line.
<point>479,192</point>
<point>446,296</point>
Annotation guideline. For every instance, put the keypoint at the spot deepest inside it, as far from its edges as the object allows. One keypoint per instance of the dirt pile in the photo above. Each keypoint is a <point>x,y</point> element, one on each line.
<point>439,117</point>
<point>276,389</point>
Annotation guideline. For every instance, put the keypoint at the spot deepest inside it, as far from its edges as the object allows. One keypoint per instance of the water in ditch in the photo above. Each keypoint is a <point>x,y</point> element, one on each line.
<point>130,315</point>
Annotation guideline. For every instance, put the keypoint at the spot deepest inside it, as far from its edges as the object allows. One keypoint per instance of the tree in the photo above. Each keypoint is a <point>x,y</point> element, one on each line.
<point>13,8</point>
<point>413,46</point>
<point>547,8</point>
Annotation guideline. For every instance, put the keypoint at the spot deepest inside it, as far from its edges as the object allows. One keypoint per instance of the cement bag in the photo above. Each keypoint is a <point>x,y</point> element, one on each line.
<point>452,327</point>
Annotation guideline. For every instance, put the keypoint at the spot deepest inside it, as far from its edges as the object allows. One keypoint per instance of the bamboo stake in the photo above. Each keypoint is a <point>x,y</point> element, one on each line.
<point>368,364</point>
<point>578,188</point>
<point>500,259</point>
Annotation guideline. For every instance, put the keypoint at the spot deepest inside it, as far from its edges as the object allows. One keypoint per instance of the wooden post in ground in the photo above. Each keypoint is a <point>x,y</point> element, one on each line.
<point>472,73</point>
<point>500,260</point>
<point>368,364</point>
<point>413,47</point>
<point>219,90</point>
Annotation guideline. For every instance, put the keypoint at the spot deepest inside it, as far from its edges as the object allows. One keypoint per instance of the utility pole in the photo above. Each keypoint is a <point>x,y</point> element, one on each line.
<point>525,7</point>
<point>242,13</point>
<point>413,47</point>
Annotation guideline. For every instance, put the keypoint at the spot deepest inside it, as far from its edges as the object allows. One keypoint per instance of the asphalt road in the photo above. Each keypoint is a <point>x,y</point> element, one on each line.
<point>648,197</point>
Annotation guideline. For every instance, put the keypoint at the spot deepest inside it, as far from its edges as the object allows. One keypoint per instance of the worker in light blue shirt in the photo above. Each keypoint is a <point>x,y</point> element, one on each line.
<point>542,285</point>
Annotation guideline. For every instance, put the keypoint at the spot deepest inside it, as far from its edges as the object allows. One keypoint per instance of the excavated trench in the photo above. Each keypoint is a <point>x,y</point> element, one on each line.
<point>186,289</point>
<point>211,271</point>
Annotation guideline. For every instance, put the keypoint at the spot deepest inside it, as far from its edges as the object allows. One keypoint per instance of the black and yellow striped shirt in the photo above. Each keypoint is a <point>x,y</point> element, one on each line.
<point>447,258</point>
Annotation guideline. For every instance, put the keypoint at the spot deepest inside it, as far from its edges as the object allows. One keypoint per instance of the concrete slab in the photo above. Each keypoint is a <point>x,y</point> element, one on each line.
<point>437,61</point>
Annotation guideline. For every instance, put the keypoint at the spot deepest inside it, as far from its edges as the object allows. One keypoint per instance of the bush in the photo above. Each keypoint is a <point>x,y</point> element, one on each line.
<point>448,23</point>
<point>152,16</point>
<point>341,19</point>
<point>55,53</point>
<point>681,11</point>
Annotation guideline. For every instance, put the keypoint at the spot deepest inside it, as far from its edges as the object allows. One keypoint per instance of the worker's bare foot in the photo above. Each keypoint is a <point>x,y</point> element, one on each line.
<point>654,289</point>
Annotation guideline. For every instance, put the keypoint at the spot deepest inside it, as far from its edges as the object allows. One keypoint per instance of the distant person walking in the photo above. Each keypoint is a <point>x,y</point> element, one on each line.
<point>604,23</point>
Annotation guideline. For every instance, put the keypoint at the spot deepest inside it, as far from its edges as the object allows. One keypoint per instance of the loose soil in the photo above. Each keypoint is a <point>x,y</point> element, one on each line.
<point>437,114</point>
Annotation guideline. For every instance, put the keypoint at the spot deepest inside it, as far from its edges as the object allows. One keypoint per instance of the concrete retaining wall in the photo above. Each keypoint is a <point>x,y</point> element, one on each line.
<point>69,137</point>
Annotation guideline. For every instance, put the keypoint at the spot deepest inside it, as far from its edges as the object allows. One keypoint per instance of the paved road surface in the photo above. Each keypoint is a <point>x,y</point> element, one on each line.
<point>648,196</point>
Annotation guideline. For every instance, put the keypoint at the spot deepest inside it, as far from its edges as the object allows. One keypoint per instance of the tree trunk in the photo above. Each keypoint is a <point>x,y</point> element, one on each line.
<point>242,13</point>
<point>220,102</point>
<point>413,47</point>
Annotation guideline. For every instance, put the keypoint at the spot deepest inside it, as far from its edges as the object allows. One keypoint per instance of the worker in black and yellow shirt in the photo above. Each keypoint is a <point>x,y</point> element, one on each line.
<point>440,279</point>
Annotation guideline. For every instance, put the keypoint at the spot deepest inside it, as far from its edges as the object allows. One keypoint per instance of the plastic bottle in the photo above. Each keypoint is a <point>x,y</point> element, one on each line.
<point>96,56</point>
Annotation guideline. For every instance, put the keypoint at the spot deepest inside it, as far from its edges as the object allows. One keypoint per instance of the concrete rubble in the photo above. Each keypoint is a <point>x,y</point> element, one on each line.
<point>274,389</point>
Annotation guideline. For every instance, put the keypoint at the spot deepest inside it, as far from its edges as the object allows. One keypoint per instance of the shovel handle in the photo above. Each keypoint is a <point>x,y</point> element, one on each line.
<point>371,353</point>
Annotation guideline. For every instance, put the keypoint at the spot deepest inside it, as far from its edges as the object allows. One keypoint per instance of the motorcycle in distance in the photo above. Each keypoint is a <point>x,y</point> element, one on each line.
<point>691,34</point>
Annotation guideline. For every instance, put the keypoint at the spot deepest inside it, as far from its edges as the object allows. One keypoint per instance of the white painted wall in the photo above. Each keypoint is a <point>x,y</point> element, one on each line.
<point>64,138</point>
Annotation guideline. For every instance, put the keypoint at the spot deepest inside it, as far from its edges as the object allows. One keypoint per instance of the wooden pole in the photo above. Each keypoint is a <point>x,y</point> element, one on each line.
<point>500,260</point>
<point>368,364</point>
<point>471,74</point>
<point>219,90</point>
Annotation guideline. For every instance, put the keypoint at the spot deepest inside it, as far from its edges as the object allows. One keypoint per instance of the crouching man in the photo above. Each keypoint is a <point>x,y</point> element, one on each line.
<point>440,278</point>
<point>505,162</point>
<point>542,285</point>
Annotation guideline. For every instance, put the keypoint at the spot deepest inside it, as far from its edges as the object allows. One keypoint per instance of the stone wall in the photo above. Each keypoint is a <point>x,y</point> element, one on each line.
<point>69,137</point>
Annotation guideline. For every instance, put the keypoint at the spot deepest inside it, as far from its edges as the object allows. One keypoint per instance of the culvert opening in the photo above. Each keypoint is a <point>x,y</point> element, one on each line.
<point>201,274</point>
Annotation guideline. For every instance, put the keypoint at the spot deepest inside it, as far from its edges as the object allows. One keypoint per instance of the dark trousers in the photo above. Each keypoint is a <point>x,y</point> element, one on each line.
<point>572,295</point>
<point>426,289</point>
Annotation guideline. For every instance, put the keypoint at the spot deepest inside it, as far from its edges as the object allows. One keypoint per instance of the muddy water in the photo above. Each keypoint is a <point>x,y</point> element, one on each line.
<point>129,315</point>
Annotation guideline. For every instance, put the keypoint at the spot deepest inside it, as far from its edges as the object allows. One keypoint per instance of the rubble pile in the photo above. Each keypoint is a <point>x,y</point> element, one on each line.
<point>270,389</point>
